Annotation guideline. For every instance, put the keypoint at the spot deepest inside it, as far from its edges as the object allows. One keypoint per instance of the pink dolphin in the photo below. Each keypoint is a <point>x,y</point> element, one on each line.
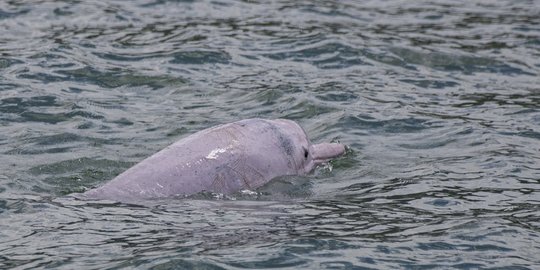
<point>222,159</point>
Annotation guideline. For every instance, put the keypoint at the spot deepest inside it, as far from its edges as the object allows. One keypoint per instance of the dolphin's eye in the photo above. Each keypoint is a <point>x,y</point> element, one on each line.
<point>306,153</point>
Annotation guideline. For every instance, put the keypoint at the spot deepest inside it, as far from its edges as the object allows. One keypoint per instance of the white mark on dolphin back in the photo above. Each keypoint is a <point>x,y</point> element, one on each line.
<point>215,153</point>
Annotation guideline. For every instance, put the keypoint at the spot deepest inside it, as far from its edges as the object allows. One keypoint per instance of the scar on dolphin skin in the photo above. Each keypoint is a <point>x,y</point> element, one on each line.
<point>243,169</point>
<point>214,154</point>
<point>218,183</point>
<point>239,169</point>
<point>229,138</point>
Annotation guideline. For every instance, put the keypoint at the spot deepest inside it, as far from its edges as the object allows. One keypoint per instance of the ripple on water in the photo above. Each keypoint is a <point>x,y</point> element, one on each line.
<point>117,78</point>
<point>323,55</point>
<point>201,57</point>
<point>75,175</point>
<point>7,62</point>
<point>35,109</point>
<point>368,124</point>
<point>462,63</point>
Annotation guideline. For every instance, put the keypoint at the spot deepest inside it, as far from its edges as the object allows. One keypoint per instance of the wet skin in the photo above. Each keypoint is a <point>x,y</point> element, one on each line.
<point>223,159</point>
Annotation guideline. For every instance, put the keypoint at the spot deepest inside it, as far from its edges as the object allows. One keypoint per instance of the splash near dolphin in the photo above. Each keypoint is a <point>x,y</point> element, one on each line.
<point>223,159</point>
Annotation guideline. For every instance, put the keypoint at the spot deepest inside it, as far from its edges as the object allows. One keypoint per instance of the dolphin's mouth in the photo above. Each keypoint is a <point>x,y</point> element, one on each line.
<point>325,151</point>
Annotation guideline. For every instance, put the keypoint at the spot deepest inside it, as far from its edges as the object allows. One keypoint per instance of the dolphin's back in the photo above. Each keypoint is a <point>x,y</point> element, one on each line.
<point>224,159</point>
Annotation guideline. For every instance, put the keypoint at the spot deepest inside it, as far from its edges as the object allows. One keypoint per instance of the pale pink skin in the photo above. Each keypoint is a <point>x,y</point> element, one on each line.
<point>224,159</point>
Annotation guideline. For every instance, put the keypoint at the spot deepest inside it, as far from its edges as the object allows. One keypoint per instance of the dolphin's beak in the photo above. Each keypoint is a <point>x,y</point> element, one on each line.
<point>325,151</point>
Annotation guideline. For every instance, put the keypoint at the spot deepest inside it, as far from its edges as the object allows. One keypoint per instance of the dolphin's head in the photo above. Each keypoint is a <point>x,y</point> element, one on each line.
<point>306,156</point>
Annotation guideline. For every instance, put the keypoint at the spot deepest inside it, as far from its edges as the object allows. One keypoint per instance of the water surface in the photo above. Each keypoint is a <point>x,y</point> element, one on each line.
<point>439,102</point>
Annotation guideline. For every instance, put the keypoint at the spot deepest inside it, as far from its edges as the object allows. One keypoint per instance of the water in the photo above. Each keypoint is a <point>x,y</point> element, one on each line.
<point>439,102</point>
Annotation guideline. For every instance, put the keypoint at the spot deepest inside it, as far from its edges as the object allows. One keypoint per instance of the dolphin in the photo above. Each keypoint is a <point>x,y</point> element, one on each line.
<point>223,159</point>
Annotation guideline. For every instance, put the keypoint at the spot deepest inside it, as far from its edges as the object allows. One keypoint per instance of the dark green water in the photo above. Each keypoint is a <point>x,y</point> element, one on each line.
<point>439,102</point>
